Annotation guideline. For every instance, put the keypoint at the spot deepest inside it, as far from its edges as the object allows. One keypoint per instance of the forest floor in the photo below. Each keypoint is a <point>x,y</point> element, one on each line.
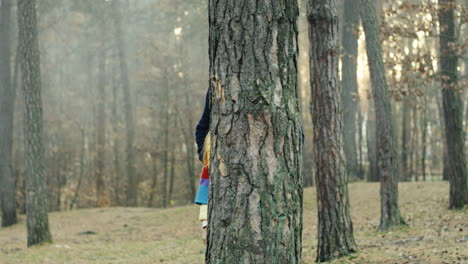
<point>143,235</point>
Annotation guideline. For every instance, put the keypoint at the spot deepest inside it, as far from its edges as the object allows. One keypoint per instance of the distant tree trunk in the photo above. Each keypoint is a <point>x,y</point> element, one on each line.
<point>415,147</point>
<point>129,123</point>
<point>7,108</point>
<point>424,137</point>
<point>350,87</point>
<point>81,173</point>
<point>386,156</point>
<point>36,189</point>
<point>255,199</point>
<point>101,131</point>
<point>171,179</point>
<point>188,138</point>
<point>453,108</point>
<point>335,228</point>
<point>360,144</point>
<point>166,140</point>
<point>116,145</point>
<point>187,134</point>
<point>154,180</point>
<point>372,144</point>
<point>405,141</point>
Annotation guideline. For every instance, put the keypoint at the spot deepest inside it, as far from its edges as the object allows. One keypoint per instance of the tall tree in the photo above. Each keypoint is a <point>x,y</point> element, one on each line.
<point>386,155</point>
<point>255,200</point>
<point>349,81</point>
<point>36,190</point>
<point>335,228</point>
<point>7,106</point>
<point>129,123</point>
<point>452,107</point>
<point>101,126</point>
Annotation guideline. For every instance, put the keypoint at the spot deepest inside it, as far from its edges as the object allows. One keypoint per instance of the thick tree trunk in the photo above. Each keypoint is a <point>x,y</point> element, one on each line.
<point>386,155</point>
<point>36,189</point>
<point>255,199</point>
<point>132,186</point>
<point>453,108</point>
<point>350,87</point>
<point>7,107</point>
<point>335,229</point>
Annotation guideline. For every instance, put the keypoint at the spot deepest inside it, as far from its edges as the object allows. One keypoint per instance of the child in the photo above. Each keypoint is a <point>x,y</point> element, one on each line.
<point>203,149</point>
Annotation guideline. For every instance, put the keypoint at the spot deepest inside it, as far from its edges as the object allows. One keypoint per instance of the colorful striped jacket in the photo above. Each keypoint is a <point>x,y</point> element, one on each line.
<point>202,193</point>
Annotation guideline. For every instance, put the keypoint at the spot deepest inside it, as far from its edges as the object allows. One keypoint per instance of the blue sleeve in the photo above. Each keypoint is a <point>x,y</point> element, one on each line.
<point>203,126</point>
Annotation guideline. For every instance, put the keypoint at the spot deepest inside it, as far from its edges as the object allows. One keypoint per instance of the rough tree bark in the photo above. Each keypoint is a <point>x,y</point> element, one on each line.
<point>350,86</point>
<point>453,108</point>
<point>255,200</point>
<point>132,186</point>
<point>36,189</point>
<point>7,107</point>
<point>386,155</point>
<point>335,228</point>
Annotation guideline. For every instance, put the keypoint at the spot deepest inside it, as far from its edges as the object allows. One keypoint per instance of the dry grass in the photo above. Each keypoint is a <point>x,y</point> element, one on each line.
<point>143,235</point>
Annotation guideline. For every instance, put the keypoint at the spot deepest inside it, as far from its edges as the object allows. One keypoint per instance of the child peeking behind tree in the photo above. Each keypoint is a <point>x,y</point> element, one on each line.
<point>203,149</point>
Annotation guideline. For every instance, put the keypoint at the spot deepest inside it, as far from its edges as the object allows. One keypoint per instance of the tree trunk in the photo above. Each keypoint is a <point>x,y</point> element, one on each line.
<point>386,156</point>
<point>424,137</point>
<point>405,141</point>
<point>101,130</point>
<point>255,199</point>
<point>373,173</point>
<point>453,108</point>
<point>166,141</point>
<point>80,177</point>
<point>7,108</point>
<point>129,123</point>
<point>36,189</point>
<point>335,229</point>
<point>360,144</point>
<point>350,87</point>
<point>119,178</point>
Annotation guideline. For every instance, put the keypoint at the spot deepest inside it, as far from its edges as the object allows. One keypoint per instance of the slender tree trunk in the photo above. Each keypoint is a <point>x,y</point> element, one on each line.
<point>171,179</point>
<point>386,155</point>
<point>415,147</point>
<point>350,87</point>
<point>372,144</point>
<point>80,177</point>
<point>424,137</point>
<point>36,189</point>
<point>154,181</point>
<point>166,141</point>
<point>453,108</point>
<point>405,141</point>
<point>7,108</point>
<point>335,229</point>
<point>116,144</point>
<point>190,159</point>
<point>129,123</point>
<point>255,199</point>
<point>101,131</point>
<point>360,144</point>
